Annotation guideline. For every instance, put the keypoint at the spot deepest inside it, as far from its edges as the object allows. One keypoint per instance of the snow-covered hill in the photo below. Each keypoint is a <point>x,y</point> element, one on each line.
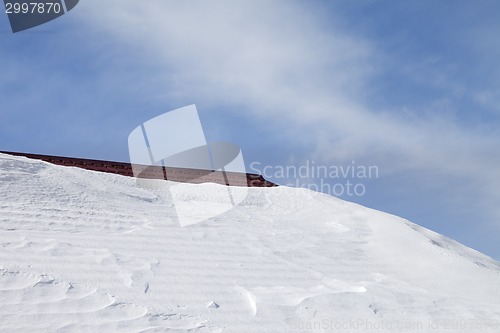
<point>82,251</point>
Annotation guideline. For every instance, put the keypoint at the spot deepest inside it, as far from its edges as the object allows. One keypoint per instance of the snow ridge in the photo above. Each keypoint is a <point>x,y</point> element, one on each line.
<point>86,251</point>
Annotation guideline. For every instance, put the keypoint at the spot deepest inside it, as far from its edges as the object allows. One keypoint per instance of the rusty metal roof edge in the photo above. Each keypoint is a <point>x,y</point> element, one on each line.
<point>253,180</point>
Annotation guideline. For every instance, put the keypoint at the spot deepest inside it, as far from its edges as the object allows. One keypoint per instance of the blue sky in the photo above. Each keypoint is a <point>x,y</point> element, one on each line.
<point>412,87</point>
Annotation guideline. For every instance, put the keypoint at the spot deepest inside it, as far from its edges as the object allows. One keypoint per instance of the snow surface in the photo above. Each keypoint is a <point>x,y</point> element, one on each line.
<point>83,251</point>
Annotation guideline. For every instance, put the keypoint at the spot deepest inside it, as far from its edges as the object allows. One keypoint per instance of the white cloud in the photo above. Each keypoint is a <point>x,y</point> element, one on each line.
<point>284,62</point>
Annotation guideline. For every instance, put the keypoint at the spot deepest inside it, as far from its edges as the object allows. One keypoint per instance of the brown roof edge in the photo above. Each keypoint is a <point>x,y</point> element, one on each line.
<point>155,172</point>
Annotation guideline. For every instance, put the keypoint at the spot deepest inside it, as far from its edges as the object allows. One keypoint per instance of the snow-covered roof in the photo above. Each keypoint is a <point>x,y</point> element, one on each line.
<point>95,252</point>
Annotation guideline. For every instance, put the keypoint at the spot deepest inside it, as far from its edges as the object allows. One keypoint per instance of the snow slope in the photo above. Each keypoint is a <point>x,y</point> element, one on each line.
<point>82,251</point>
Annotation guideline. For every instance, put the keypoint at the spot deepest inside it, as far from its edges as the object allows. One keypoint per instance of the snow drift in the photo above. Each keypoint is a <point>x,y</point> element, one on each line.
<point>93,252</point>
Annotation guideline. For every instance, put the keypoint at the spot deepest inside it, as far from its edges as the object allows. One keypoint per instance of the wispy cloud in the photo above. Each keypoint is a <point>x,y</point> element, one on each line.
<point>285,61</point>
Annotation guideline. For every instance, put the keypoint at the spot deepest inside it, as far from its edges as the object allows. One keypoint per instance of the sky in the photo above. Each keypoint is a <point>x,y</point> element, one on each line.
<point>411,88</point>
